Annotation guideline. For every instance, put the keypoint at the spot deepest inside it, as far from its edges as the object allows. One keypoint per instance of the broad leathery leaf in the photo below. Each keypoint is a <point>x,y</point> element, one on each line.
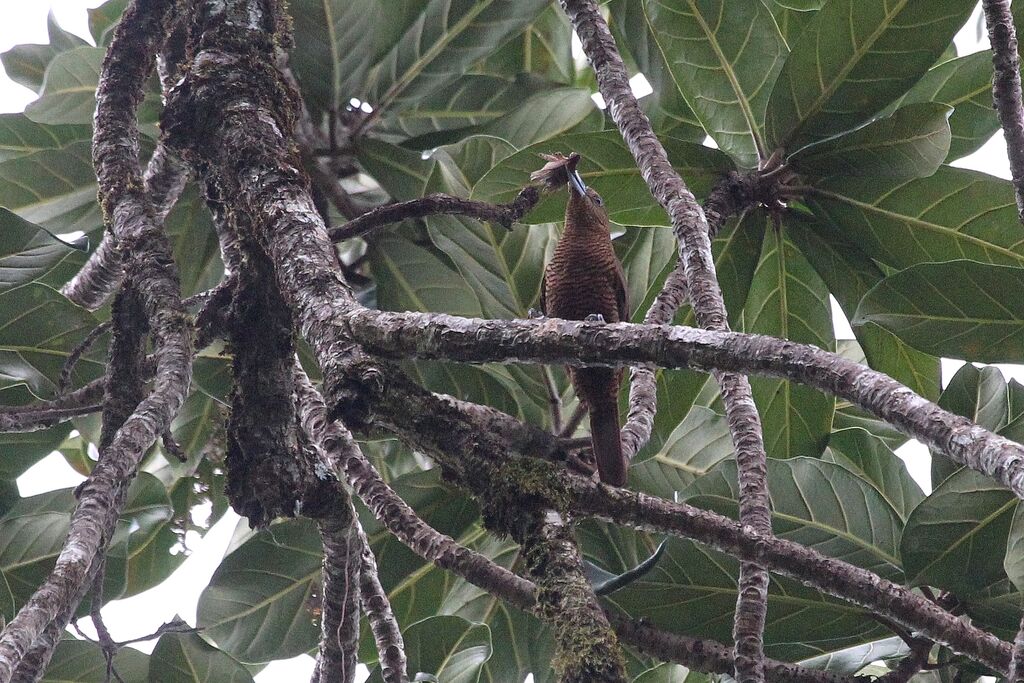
<point>19,136</point>
<point>647,255</point>
<point>972,320</point>
<point>259,604</point>
<point>104,18</point>
<point>964,83</point>
<point>724,58</point>
<point>68,96</point>
<point>26,64</point>
<point>27,251</point>
<point>187,658</point>
<point>542,116</point>
<point>995,607</point>
<point>142,533</point>
<point>21,450</point>
<point>607,166</point>
<point>194,243</point>
<point>912,143</point>
<point>402,173</point>
<point>450,648</point>
<point>38,330</point>
<point>81,661</point>
<point>849,275</point>
<point>982,396</point>
<point>868,457</point>
<point>665,106</point>
<point>956,538</point>
<point>445,40</point>
<point>472,157</point>
<point>791,22</point>
<point>788,300</point>
<point>700,442</point>
<point>692,590</point>
<point>1013,563</point>
<point>953,214</point>
<point>850,661</point>
<point>671,673</point>
<point>332,51</point>
<point>543,49</point>
<point>818,504</point>
<point>854,58</point>
<point>54,188</point>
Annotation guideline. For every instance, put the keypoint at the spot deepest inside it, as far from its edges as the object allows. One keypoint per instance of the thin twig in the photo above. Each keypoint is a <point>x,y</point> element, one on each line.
<point>504,215</point>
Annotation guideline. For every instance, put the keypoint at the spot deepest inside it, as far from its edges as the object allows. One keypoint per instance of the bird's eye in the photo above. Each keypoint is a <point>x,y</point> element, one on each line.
<point>597,199</point>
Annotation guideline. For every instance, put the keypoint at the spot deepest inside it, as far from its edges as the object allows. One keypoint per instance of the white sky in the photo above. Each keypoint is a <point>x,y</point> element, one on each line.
<point>25,22</point>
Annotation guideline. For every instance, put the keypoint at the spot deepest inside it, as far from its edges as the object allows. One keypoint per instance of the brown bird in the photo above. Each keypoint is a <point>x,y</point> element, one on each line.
<point>584,281</point>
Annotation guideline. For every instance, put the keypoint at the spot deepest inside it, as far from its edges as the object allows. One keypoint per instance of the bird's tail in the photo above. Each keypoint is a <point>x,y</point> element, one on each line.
<point>607,445</point>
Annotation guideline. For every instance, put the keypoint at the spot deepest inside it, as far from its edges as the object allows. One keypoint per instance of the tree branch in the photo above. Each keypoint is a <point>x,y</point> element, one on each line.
<point>336,658</point>
<point>377,608</point>
<point>691,229</point>
<point>503,214</point>
<point>1006,89</point>
<point>115,153</point>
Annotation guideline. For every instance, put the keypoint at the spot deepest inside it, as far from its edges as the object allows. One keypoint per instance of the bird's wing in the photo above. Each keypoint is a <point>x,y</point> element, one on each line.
<point>621,293</point>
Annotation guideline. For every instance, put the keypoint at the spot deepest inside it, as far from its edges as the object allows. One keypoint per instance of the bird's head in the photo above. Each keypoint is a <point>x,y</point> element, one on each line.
<point>561,170</point>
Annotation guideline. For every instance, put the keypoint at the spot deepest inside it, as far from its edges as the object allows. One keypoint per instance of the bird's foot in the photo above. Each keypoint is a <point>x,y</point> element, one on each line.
<point>535,314</point>
<point>594,318</point>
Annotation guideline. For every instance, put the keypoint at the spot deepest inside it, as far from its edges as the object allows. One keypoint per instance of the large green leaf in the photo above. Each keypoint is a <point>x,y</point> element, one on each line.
<point>952,214</point>
<point>543,49</point>
<point>80,661</point>
<point>852,660</point>
<point>818,504</point>
<point>964,83</point>
<point>140,539</point>
<point>849,275</point>
<point>442,44</point>
<point>187,658</point>
<point>55,188</point>
<point>38,330</point>
<point>647,255</point>
<point>671,673</point>
<point>854,58</point>
<point>956,539</point>
<point>541,116</point>
<point>451,649</point>
<point>700,442</point>
<point>19,135</point>
<point>26,64</point>
<point>788,300</point>
<point>792,21</point>
<point>258,606</point>
<point>401,172</point>
<point>724,58</point>
<point>333,49</point>
<point>27,251</point>
<point>104,18</point>
<point>867,456</point>
<point>1013,563</point>
<point>911,143</point>
<point>22,450</point>
<point>973,320</point>
<point>692,590</point>
<point>609,168</point>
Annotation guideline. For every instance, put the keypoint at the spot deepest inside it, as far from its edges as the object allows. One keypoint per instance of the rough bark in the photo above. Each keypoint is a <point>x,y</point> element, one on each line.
<point>386,633</point>
<point>336,658</point>
<point>1006,89</point>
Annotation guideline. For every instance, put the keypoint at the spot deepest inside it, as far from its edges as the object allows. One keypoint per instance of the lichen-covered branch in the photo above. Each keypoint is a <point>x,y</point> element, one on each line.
<point>336,658</point>
<point>695,257</point>
<point>504,215</point>
<point>1006,88</point>
<point>151,269</point>
<point>386,632</point>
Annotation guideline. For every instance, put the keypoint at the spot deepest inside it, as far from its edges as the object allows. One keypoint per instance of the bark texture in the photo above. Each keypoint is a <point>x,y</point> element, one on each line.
<point>1006,89</point>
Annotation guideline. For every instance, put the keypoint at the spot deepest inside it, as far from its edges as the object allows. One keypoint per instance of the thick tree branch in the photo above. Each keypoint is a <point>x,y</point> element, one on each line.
<point>377,608</point>
<point>344,457</point>
<point>336,658</point>
<point>691,229</point>
<point>504,215</point>
<point>115,153</point>
<point>1006,89</point>
<point>440,336</point>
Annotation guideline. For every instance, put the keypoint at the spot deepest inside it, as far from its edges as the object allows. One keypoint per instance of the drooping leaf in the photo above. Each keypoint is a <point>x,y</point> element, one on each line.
<point>445,40</point>
<point>104,18</point>
<point>541,116</point>
<point>543,49</point>
<point>33,347</point>
<point>450,649</point>
<point>818,504</point>
<point>187,658</point>
<point>788,300</point>
<point>867,455</point>
<point>258,606</point>
<point>854,58</point>
<point>26,64</point>
<point>724,58</point>
<point>852,660</point>
<point>609,168</point>
<point>849,275</point>
<point>79,661</point>
<point>911,143</point>
<point>956,538</point>
<point>952,214</point>
<point>964,83</point>
<point>334,50</point>
<point>972,319</point>
<point>19,136</point>
<point>402,173</point>
<point>700,442</point>
<point>647,255</point>
<point>27,251</point>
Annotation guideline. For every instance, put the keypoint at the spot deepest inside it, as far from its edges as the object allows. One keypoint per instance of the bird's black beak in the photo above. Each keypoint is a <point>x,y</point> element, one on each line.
<point>575,181</point>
